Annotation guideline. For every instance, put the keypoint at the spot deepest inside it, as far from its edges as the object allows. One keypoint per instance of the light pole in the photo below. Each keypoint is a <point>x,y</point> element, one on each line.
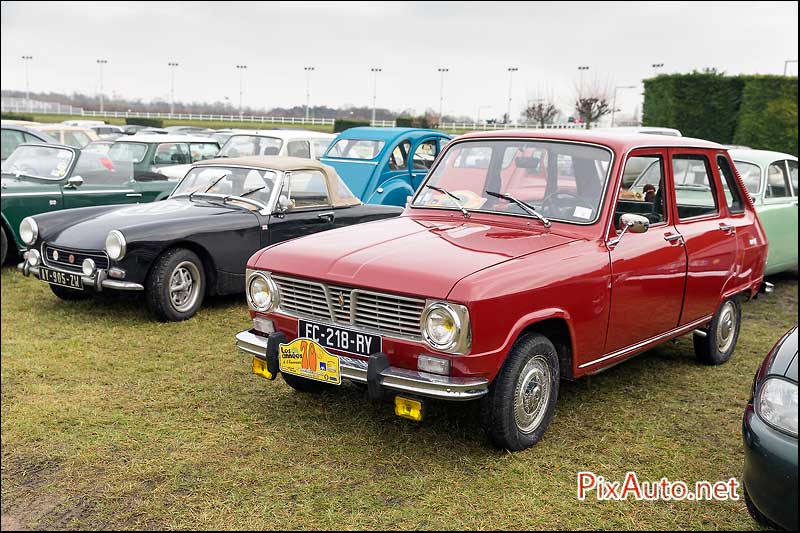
<point>241,69</point>
<point>582,69</point>
<point>478,117</point>
<point>614,103</point>
<point>374,71</point>
<point>441,91</point>
<point>26,59</point>
<point>308,86</point>
<point>172,66</point>
<point>511,71</point>
<point>101,62</point>
<point>657,66</point>
<point>786,65</point>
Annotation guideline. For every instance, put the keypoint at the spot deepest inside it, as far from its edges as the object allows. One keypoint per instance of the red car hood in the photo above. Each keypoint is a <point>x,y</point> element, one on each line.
<point>405,255</point>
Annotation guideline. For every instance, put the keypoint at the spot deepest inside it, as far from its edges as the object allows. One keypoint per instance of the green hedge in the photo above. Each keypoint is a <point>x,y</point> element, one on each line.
<point>14,116</point>
<point>768,115</point>
<point>757,111</point>
<point>149,122</point>
<point>341,124</point>
<point>415,122</point>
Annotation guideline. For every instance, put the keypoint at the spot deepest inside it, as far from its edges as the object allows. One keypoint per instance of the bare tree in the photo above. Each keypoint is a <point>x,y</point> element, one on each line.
<point>541,112</point>
<point>592,103</point>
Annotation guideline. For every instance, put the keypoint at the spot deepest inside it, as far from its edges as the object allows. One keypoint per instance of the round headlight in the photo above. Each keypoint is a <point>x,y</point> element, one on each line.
<point>441,326</point>
<point>32,256</point>
<point>28,231</point>
<point>88,266</point>
<point>115,245</point>
<point>262,293</point>
<point>777,404</point>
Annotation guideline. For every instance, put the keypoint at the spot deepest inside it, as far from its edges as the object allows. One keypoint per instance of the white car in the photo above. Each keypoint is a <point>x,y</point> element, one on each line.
<point>293,143</point>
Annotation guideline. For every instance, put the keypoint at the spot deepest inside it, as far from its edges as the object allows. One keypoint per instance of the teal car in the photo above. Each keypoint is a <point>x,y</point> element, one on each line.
<point>771,180</point>
<point>37,178</point>
<point>384,165</point>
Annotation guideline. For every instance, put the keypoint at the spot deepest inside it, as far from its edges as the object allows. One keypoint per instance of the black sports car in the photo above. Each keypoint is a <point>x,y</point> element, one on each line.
<point>195,242</point>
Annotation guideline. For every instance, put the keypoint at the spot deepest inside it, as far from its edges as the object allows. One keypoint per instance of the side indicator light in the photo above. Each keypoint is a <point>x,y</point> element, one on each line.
<point>408,408</point>
<point>260,369</point>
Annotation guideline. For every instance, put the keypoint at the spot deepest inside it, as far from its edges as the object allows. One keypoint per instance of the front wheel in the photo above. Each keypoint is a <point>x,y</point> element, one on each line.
<point>3,246</point>
<point>69,295</point>
<point>716,347</point>
<point>176,285</point>
<point>522,399</point>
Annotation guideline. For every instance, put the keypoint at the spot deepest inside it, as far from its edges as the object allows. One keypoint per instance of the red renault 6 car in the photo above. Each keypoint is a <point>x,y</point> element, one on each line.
<point>523,258</point>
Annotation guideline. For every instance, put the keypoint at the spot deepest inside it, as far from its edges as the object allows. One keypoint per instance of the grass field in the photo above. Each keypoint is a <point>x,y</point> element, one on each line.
<point>111,420</point>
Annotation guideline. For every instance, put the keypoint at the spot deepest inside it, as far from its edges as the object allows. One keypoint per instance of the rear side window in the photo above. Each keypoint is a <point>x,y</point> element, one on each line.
<point>695,194</point>
<point>733,196</point>
<point>10,140</point>
<point>201,151</point>
<point>306,188</point>
<point>793,175</point>
<point>298,149</point>
<point>171,154</point>
<point>777,181</point>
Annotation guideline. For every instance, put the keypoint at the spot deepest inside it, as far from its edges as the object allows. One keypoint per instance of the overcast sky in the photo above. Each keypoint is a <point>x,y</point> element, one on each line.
<point>477,41</point>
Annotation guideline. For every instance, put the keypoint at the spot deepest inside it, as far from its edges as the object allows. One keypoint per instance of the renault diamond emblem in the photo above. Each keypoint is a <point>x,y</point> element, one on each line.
<point>55,255</point>
<point>341,300</point>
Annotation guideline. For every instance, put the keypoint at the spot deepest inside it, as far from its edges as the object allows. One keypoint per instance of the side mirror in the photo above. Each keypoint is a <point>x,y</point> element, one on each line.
<point>284,204</point>
<point>632,223</point>
<point>74,182</point>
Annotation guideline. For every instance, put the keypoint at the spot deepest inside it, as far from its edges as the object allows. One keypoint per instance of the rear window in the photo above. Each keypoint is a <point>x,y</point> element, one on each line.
<point>356,149</point>
<point>126,151</point>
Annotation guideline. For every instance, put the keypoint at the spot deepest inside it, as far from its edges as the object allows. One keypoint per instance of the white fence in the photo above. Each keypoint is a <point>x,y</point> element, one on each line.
<point>500,126</point>
<point>21,105</point>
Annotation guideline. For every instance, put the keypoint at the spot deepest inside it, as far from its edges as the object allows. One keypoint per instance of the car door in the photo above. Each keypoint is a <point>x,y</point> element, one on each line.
<point>709,238</point>
<point>648,269</point>
<point>311,210</point>
<point>422,159</point>
<point>104,182</point>
<point>779,216</point>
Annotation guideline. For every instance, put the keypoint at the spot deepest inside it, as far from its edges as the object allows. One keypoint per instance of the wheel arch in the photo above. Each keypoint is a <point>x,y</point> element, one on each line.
<point>558,329</point>
<point>209,265</point>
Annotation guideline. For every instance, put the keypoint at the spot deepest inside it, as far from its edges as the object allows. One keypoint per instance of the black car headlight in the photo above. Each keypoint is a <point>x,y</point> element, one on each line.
<point>262,291</point>
<point>776,404</point>
<point>28,231</point>
<point>445,327</point>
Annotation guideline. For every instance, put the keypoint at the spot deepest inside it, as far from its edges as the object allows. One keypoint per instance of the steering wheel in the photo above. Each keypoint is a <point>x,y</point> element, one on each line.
<point>562,204</point>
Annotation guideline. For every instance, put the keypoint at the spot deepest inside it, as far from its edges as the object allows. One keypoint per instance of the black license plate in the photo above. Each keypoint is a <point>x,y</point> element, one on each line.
<point>336,338</point>
<point>65,279</point>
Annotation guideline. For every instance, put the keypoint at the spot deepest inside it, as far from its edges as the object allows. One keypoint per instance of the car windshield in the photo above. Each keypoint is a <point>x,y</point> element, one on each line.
<point>127,151</point>
<point>237,181</point>
<point>247,145</point>
<point>751,176</point>
<point>562,181</point>
<point>355,149</point>
<point>46,162</point>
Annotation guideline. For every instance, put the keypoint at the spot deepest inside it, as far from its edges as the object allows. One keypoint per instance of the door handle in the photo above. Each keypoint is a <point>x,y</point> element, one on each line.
<point>672,237</point>
<point>727,228</point>
<point>134,195</point>
<point>328,217</point>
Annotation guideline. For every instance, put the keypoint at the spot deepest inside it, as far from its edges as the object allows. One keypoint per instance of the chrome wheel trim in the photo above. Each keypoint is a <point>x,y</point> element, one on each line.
<point>532,394</point>
<point>726,327</point>
<point>184,286</point>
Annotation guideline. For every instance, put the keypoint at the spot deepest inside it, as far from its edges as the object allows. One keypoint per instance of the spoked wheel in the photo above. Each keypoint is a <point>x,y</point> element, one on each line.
<point>176,285</point>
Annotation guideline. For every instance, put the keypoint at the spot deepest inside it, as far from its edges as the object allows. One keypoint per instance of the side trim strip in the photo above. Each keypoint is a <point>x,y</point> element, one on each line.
<point>6,194</point>
<point>112,191</point>
<point>672,333</point>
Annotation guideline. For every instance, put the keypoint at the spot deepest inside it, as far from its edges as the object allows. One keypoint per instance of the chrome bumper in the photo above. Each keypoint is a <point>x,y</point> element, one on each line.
<point>98,282</point>
<point>392,378</point>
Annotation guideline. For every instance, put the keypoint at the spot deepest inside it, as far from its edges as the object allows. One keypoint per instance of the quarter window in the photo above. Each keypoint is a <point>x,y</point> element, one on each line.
<point>298,149</point>
<point>320,145</point>
<point>645,196</point>
<point>306,189</point>
<point>694,187</point>
<point>730,186</point>
<point>777,181</point>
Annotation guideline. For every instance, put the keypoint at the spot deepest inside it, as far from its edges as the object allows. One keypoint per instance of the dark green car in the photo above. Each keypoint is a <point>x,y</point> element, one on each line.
<point>37,178</point>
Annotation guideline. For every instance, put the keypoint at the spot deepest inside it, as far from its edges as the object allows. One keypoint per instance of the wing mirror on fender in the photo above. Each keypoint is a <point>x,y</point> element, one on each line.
<point>632,223</point>
<point>74,182</point>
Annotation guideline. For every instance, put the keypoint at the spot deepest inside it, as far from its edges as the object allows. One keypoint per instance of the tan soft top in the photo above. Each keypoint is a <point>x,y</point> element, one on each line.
<point>339,192</point>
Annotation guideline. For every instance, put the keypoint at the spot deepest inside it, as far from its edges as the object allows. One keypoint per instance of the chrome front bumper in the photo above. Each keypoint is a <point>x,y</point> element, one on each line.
<point>98,281</point>
<point>396,379</point>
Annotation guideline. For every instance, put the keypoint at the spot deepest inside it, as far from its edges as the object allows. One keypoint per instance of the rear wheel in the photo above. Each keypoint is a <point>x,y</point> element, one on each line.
<point>304,385</point>
<point>522,399</point>
<point>176,285</point>
<point>716,347</point>
<point>3,246</point>
<point>69,295</point>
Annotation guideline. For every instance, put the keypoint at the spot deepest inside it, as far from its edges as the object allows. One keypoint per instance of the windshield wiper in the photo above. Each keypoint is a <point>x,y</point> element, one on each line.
<point>210,186</point>
<point>453,196</point>
<point>251,191</point>
<point>527,207</point>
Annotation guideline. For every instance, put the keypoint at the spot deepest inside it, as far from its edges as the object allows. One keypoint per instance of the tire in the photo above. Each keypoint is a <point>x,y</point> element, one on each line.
<point>757,515</point>
<point>308,386</point>
<point>69,295</point>
<point>175,268</point>
<point>717,346</point>
<point>3,246</point>
<point>511,418</point>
